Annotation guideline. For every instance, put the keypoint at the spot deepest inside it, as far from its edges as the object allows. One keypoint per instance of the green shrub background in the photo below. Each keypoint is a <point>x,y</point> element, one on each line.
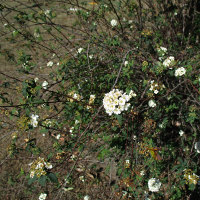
<point>92,153</point>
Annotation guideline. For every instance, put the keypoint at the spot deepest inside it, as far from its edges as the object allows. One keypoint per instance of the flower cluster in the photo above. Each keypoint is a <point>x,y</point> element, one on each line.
<point>154,184</point>
<point>162,51</point>
<point>80,50</point>
<point>42,196</point>
<point>155,87</point>
<point>190,177</point>
<point>113,22</point>
<point>50,64</point>
<point>168,62</point>
<point>74,95</point>
<point>152,103</point>
<point>34,121</point>
<point>116,102</point>
<point>91,101</point>
<point>38,167</point>
<point>180,71</point>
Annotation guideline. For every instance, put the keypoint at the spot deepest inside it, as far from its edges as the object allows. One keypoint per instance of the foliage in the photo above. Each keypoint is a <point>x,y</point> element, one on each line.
<point>66,56</point>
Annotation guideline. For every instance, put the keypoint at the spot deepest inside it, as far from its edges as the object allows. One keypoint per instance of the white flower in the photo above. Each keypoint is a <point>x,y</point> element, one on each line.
<point>155,91</point>
<point>180,71</point>
<point>197,146</point>
<point>32,174</point>
<point>91,56</point>
<point>47,12</point>
<point>181,133</point>
<point>42,196</point>
<point>58,137</point>
<point>116,102</point>
<point>163,49</point>
<point>113,22</point>
<point>86,197</point>
<point>168,61</point>
<point>80,50</point>
<point>82,178</point>
<point>36,79</point>
<point>44,84</point>
<point>36,35</point>
<point>126,63</point>
<point>151,103</point>
<point>50,64</point>
<point>49,166</point>
<point>73,9</point>
<point>142,173</point>
<point>34,121</point>
<point>127,161</point>
<point>154,185</point>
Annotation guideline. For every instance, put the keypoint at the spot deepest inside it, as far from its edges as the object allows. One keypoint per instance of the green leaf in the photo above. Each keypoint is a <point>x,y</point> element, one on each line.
<point>42,180</point>
<point>52,177</point>
<point>31,180</point>
<point>119,118</point>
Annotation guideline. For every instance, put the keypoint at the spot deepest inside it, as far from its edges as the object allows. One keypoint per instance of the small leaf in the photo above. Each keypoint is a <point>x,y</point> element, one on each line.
<point>31,180</point>
<point>52,177</point>
<point>42,180</point>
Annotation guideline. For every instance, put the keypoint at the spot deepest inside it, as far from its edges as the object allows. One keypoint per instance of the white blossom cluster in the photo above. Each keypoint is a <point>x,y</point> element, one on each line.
<point>154,87</point>
<point>47,13</point>
<point>34,121</point>
<point>38,167</point>
<point>73,9</point>
<point>91,100</point>
<point>152,103</point>
<point>191,178</point>
<point>162,51</point>
<point>154,184</point>
<point>180,71</point>
<point>42,196</point>
<point>113,22</point>
<point>116,101</point>
<point>168,62</point>
<point>25,65</point>
<point>50,64</point>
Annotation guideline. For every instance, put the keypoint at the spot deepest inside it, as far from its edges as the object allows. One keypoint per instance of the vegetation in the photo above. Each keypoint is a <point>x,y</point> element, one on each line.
<point>100,99</point>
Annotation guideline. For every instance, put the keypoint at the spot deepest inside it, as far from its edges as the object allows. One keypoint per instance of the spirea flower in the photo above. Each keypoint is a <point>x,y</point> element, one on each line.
<point>113,22</point>
<point>197,146</point>
<point>86,197</point>
<point>80,50</point>
<point>34,121</point>
<point>180,71</point>
<point>44,84</point>
<point>116,101</point>
<point>190,177</point>
<point>168,61</point>
<point>38,167</point>
<point>162,51</point>
<point>50,64</point>
<point>42,196</point>
<point>181,133</point>
<point>47,12</point>
<point>152,103</point>
<point>126,63</point>
<point>154,185</point>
